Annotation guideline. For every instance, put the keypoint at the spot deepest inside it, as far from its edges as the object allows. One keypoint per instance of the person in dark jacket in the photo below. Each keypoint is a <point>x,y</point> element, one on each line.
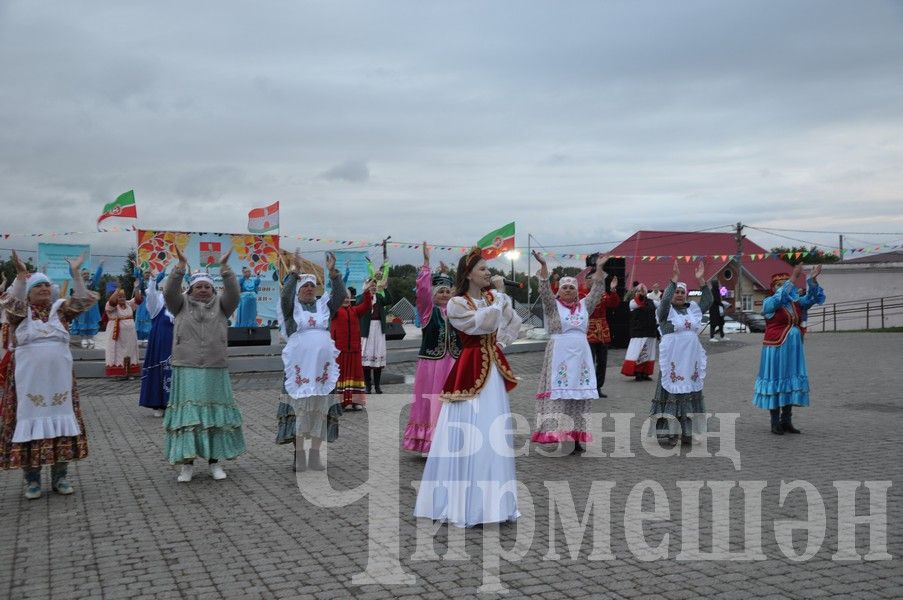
<point>639,362</point>
<point>716,314</point>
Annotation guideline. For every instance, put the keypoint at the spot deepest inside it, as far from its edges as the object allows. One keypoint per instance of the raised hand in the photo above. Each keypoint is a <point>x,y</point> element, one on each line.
<point>601,259</point>
<point>426,253</point>
<point>75,263</point>
<point>815,272</point>
<point>330,262</point>
<point>21,269</point>
<point>675,272</point>
<point>543,268</point>
<point>614,283</point>
<point>797,269</point>
<point>700,272</point>
<point>183,262</point>
<point>443,268</point>
<point>224,259</point>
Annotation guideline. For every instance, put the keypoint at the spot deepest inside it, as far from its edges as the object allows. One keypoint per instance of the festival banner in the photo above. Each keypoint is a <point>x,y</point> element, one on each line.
<point>356,263</point>
<point>52,259</point>
<point>260,253</point>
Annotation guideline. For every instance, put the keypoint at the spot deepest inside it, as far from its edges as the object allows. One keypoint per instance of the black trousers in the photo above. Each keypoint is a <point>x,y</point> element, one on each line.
<point>600,360</point>
<point>716,328</point>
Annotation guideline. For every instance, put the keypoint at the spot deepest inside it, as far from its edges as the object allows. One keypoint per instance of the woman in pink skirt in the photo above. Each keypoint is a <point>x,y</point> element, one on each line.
<point>439,349</point>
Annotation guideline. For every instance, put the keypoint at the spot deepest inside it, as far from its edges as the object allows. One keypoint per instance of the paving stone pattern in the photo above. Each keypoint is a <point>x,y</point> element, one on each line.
<point>131,531</point>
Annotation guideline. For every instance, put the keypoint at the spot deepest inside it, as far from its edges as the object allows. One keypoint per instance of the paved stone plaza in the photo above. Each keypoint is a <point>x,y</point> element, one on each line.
<point>131,531</point>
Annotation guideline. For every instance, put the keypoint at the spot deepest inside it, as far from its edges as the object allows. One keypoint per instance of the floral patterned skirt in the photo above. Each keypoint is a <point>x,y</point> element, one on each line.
<point>36,453</point>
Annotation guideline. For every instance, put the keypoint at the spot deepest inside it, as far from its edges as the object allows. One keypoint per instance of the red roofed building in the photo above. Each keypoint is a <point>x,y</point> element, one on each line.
<point>650,257</point>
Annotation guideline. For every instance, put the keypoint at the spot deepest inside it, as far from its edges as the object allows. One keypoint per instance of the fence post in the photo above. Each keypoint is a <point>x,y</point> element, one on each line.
<point>882,313</point>
<point>834,312</point>
<point>866,315</point>
<point>824,318</point>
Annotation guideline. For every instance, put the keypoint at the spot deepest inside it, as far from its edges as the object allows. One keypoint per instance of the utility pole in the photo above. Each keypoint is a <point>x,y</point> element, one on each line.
<point>529,255</point>
<point>738,258</point>
<point>841,246</point>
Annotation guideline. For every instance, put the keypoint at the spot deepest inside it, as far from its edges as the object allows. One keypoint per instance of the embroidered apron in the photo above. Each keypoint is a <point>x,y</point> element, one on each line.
<point>43,379</point>
<point>681,355</point>
<point>573,375</point>
<point>310,355</point>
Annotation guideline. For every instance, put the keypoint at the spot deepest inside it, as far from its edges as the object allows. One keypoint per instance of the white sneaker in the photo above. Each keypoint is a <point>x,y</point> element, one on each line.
<point>90,343</point>
<point>713,340</point>
<point>84,343</point>
<point>217,471</point>
<point>725,339</point>
<point>186,474</point>
<point>158,413</point>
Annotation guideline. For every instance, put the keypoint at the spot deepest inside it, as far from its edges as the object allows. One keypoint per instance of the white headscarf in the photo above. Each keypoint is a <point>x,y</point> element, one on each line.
<point>34,279</point>
<point>681,285</point>
<point>307,278</point>
<point>198,277</point>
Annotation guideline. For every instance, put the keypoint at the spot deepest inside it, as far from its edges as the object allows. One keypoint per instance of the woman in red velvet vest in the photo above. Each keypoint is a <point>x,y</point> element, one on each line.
<point>783,380</point>
<point>469,475</point>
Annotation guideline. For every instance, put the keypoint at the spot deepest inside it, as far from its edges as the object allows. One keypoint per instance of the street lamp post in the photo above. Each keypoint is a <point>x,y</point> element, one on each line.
<point>512,255</point>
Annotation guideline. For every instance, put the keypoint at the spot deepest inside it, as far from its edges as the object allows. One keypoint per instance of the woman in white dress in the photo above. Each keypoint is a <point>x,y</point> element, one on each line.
<point>567,382</point>
<point>469,476</point>
<point>678,393</point>
<point>309,409</point>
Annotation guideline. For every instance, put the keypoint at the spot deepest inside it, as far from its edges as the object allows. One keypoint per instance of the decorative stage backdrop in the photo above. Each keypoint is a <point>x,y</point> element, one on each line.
<point>52,259</point>
<point>356,262</point>
<point>260,253</point>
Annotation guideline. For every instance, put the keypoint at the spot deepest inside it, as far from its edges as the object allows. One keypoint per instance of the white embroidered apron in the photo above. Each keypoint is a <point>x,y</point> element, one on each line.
<point>310,355</point>
<point>43,379</point>
<point>573,376</point>
<point>681,355</point>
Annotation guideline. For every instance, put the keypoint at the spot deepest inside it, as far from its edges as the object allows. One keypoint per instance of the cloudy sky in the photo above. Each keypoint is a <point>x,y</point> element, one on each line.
<point>581,121</point>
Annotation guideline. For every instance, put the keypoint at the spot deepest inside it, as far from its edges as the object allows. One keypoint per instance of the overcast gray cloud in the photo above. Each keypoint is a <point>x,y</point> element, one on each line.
<point>579,120</point>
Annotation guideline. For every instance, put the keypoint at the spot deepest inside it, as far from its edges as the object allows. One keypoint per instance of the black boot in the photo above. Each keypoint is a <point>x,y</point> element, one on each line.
<point>367,381</point>
<point>578,449</point>
<point>776,421</point>
<point>377,376</point>
<point>786,422</point>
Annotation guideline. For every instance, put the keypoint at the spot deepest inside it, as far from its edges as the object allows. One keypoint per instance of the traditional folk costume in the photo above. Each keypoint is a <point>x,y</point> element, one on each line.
<point>308,408</point>
<point>598,333</point>
<point>439,348</point>
<point>682,366</point>
<point>373,339</point>
<point>156,376</point>
<point>121,352</point>
<point>346,332</point>
<point>783,380</point>
<point>143,318</point>
<point>469,476</point>
<point>87,324</point>
<point>202,419</point>
<point>567,381</point>
<point>639,361</point>
<point>247,305</point>
<point>46,426</point>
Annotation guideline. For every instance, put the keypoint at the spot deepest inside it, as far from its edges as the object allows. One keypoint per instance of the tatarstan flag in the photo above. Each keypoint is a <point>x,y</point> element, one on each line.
<point>498,241</point>
<point>261,220</point>
<point>123,206</point>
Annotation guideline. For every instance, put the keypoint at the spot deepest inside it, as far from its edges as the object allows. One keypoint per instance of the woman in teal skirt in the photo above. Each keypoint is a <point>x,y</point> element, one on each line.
<point>202,419</point>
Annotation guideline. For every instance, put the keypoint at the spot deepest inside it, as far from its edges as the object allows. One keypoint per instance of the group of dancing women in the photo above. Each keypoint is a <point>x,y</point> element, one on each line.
<point>460,418</point>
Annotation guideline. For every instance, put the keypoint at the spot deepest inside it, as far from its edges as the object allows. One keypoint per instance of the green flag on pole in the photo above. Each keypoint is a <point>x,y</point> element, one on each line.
<point>498,241</point>
<point>123,206</point>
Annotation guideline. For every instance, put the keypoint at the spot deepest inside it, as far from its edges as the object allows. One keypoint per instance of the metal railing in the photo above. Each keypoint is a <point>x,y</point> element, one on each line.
<point>874,313</point>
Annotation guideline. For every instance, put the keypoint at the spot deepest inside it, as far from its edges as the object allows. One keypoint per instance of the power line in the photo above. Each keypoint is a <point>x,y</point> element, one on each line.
<point>786,237</point>
<point>831,232</point>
